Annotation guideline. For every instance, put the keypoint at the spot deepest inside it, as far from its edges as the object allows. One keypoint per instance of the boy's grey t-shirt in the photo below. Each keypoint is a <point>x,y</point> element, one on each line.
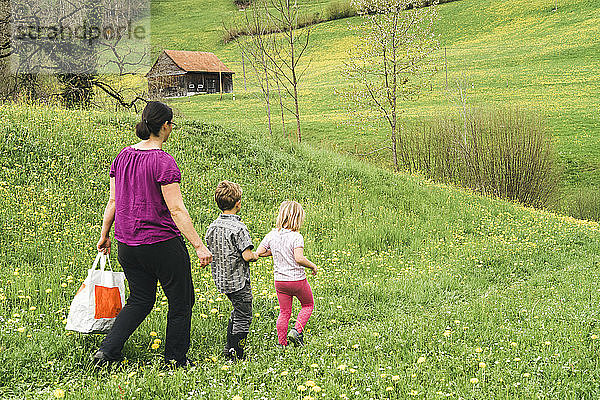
<point>227,238</point>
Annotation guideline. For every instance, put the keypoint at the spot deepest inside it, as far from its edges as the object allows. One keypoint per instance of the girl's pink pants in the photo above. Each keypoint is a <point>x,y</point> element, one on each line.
<point>286,291</point>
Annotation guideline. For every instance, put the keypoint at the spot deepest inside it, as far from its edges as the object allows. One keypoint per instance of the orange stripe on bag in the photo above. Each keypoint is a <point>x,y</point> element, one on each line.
<point>80,288</point>
<point>108,302</point>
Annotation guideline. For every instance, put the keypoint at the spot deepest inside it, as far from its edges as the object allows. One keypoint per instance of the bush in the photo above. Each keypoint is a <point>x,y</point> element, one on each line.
<point>339,9</point>
<point>242,3</point>
<point>584,203</point>
<point>503,153</point>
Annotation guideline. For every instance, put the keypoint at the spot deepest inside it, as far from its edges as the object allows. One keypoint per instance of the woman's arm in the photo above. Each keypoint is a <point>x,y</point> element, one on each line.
<point>305,262</point>
<point>181,217</point>
<point>107,221</point>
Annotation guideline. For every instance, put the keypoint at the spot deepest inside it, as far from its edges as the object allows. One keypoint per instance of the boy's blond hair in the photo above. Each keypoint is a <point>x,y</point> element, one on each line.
<point>291,216</point>
<point>227,194</point>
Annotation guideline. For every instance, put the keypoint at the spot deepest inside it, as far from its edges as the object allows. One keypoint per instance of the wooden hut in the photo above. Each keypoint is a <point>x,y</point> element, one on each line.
<point>184,73</point>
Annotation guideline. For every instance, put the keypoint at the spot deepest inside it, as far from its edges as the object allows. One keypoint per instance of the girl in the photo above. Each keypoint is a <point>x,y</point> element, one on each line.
<point>286,245</point>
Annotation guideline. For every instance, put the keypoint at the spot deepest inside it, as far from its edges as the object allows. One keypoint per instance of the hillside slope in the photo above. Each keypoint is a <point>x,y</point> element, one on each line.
<point>508,53</point>
<point>409,269</point>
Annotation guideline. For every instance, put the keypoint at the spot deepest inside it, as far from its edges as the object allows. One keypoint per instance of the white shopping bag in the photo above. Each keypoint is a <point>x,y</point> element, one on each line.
<point>98,300</point>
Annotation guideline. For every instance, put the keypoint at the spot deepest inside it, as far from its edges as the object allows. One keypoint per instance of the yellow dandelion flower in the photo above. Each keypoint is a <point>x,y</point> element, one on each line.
<point>474,381</point>
<point>482,365</point>
<point>421,360</point>
<point>48,290</point>
<point>225,367</point>
<point>301,388</point>
<point>157,341</point>
<point>478,350</point>
<point>341,367</point>
<point>21,329</point>
<point>236,397</point>
<point>517,359</point>
<point>413,393</point>
<point>396,378</point>
<point>316,389</point>
<point>389,388</point>
<point>58,393</point>
<point>314,365</point>
<point>155,346</point>
<point>447,332</point>
<point>351,370</point>
<point>32,308</point>
<point>355,346</point>
<point>513,344</point>
<point>526,375</point>
<point>309,383</point>
<point>154,334</point>
<point>284,373</point>
<point>547,343</point>
<point>594,337</point>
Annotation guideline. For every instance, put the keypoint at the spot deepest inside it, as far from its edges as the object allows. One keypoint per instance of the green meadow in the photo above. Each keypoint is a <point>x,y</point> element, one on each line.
<point>424,290</point>
<point>510,53</point>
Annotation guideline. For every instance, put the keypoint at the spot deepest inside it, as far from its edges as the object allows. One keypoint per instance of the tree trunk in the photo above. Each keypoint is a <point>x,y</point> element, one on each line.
<point>281,108</point>
<point>267,99</point>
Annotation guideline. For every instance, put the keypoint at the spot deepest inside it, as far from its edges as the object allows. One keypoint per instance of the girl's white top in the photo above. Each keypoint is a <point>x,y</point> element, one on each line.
<point>282,243</point>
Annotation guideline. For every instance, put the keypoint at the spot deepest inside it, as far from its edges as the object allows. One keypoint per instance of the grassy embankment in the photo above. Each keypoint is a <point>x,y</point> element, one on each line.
<point>424,290</point>
<point>510,53</point>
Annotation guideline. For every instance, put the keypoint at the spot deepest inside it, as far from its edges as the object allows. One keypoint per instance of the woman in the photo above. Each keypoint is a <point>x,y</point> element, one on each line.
<point>147,208</point>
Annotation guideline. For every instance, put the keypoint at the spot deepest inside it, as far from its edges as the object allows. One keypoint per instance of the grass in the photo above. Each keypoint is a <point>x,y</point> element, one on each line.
<point>419,283</point>
<point>520,53</point>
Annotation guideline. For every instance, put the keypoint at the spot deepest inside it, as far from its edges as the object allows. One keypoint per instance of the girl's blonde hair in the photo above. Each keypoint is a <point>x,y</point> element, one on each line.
<point>291,216</point>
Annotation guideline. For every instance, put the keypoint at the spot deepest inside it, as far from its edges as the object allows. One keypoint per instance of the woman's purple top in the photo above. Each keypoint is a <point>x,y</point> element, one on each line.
<point>141,214</point>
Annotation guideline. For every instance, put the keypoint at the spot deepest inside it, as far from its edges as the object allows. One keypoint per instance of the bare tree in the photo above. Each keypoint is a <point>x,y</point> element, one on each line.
<point>286,51</point>
<point>254,49</point>
<point>77,64</point>
<point>391,62</point>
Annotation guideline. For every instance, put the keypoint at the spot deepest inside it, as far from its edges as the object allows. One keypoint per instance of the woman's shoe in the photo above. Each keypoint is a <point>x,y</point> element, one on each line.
<point>99,359</point>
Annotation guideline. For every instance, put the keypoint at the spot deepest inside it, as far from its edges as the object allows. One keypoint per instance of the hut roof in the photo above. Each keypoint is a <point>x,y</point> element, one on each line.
<point>197,61</point>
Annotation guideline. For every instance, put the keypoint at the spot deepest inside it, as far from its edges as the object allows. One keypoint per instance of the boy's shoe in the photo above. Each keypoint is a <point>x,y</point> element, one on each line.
<point>297,338</point>
<point>227,350</point>
<point>99,359</point>
<point>229,354</point>
<point>238,344</point>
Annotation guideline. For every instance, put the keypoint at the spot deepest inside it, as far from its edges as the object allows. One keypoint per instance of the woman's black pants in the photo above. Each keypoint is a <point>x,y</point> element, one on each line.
<point>167,262</point>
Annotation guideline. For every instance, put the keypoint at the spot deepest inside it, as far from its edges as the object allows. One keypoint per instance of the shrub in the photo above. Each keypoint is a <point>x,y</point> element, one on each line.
<point>242,3</point>
<point>503,153</point>
<point>584,203</point>
<point>339,9</point>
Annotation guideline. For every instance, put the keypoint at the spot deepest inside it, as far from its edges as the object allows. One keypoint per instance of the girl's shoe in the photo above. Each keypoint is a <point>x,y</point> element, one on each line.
<point>297,338</point>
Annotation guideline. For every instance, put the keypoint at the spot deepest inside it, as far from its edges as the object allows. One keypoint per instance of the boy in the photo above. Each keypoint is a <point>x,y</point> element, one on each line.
<point>229,241</point>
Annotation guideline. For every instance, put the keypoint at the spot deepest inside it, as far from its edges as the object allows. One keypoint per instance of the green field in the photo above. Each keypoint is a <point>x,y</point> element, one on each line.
<point>424,290</point>
<point>510,53</point>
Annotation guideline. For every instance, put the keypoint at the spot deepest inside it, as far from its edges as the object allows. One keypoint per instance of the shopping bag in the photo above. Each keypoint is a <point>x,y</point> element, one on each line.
<point>98,300</point>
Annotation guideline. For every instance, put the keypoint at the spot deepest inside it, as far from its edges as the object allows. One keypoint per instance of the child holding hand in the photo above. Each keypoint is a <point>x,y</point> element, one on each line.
<point>286,245</point>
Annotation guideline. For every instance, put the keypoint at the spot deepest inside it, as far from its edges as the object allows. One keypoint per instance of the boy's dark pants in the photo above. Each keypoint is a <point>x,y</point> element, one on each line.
<point>240,320</point>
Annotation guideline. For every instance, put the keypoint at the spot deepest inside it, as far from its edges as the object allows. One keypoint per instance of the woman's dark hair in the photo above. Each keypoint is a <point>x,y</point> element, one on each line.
<point>155,114</point>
